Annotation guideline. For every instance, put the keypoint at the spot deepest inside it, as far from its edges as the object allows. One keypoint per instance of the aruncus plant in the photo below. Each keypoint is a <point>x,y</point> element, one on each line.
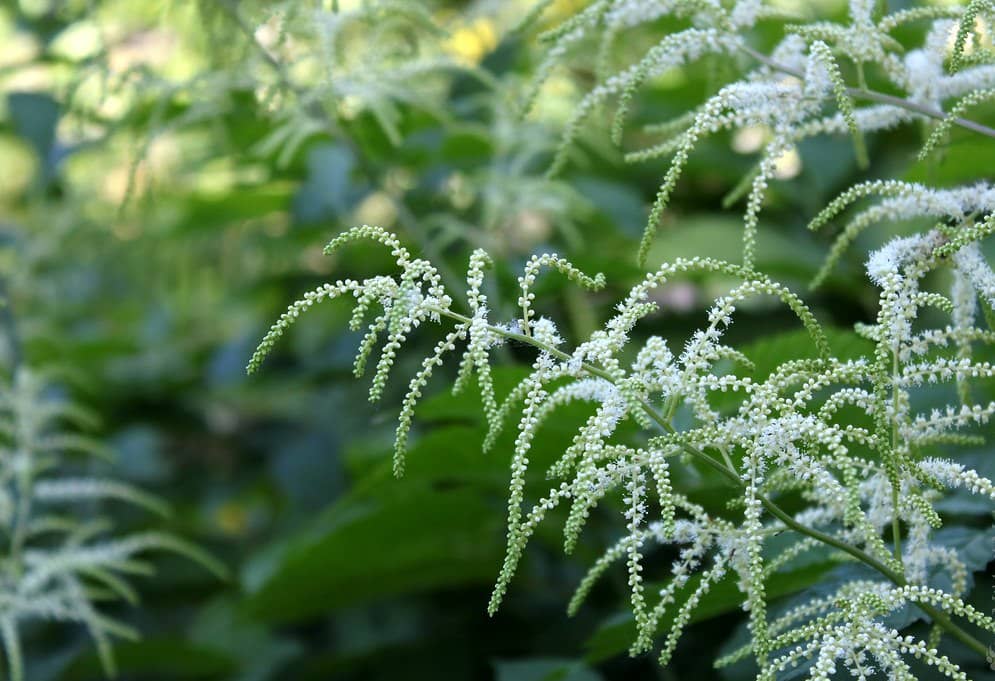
<point>845,436</point>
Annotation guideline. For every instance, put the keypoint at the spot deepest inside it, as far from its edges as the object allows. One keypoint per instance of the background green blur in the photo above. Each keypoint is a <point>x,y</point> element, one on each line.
<point>164,193</point>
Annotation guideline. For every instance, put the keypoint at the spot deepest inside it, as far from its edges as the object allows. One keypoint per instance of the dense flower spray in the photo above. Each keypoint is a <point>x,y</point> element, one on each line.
<point>846,436</point>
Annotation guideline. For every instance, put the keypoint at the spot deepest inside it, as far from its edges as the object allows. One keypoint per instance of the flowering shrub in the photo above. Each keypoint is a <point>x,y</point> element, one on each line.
<point>857,439</point>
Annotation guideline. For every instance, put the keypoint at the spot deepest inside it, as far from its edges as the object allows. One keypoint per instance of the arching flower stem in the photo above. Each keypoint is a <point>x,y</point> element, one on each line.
<point>939,618</point>
<point>875,96</point>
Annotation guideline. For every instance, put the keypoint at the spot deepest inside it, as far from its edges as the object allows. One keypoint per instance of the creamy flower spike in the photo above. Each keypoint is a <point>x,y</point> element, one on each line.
<point>785,433</point>
<point>787,93</point>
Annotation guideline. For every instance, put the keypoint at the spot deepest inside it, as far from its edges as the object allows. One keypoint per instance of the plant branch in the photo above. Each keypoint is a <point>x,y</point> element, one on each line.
<point>880,97</point>
<point>938,617</point>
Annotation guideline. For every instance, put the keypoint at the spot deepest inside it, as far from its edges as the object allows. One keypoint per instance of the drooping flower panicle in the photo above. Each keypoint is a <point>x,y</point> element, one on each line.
<point>849,437</point>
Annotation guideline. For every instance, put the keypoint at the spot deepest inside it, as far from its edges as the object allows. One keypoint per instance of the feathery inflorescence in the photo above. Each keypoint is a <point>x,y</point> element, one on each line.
<point>788,92</point>
<point>850,438</point>
<point>62,562</point>
<point>785,433</point>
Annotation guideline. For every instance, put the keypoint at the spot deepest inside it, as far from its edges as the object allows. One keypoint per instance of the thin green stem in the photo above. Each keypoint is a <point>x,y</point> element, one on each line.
<point>727,459</point>
<point>896,529</point>
<point>938,617</point>
<point>861,79</point>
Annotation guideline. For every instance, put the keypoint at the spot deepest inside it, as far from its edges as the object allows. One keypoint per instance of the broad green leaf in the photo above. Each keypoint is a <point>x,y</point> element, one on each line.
<point>415,538</point>
<point>158,658</point>
<point>963,160</point>
<point>720,236</point>
<point>772,350</point>
<point>544,669</point>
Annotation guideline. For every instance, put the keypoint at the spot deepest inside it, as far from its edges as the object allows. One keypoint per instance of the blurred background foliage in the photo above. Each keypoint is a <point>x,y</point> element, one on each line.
<point>169,172</point>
